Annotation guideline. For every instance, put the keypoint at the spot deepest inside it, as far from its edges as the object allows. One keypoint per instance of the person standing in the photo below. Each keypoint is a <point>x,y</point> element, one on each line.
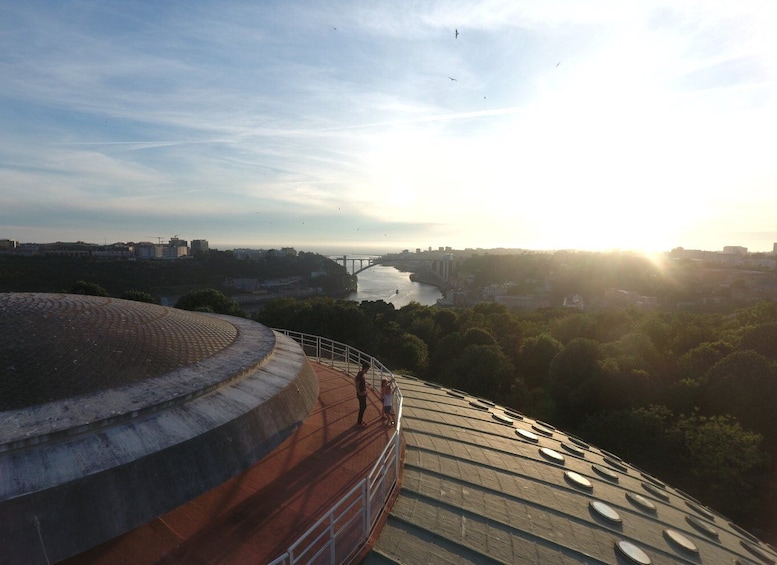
<point>387,394</point>
<point>361,393</point>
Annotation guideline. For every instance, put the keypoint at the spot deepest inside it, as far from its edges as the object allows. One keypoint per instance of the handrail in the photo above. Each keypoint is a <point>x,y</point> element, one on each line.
<point>344,530</point>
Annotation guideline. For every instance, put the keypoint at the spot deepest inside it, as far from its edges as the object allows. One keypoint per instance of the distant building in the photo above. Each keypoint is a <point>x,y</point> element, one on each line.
<point>174,251</point>
<point>146,250</point>
<point>114,251</point>
<point>735,249</point>
<point>199,246</point>
<point>11,244</point>
<point>249,254</point>
<point>574,301</point>
<point>68,249</point>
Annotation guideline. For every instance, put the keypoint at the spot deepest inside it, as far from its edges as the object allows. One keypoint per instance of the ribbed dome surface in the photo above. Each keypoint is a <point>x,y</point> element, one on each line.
<point>55,346</point>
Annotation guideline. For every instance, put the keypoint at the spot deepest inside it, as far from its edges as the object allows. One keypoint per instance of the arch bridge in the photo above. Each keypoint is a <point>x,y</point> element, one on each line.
<point>363,262</point>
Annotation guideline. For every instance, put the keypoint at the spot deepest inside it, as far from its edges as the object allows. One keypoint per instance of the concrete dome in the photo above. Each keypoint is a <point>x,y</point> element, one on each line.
<point>113,412</point>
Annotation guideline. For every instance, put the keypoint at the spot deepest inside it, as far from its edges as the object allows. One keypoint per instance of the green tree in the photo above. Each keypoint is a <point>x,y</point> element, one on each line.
<point>571,379</point>
<point>478,336</point>
<point>761,339</point>
<point>447,320</point>
<point>744,385</point>
<point>443,357</point>
<point>279,313</point>
<point>409,352</point>
<point>139,296</point>
<point>536,354</point>
<point>722,461</point>
<point>90,288</point>
<point>482,370</point>
<point>695,363</point>
<point>209,300</point>
<point>637,435</point>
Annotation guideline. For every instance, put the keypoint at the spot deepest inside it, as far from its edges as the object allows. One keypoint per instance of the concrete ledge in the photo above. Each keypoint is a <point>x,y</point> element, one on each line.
<point>77,486</point>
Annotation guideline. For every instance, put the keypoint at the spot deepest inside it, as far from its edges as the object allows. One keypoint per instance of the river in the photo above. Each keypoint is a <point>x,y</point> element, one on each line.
<point>382,283</point>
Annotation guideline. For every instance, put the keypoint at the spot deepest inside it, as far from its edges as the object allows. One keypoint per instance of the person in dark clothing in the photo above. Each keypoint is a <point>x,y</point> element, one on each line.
<point>361,393</point>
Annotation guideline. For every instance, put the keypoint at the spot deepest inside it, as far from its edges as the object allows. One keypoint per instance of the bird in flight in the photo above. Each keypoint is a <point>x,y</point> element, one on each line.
<point>457,34</point>
<point>452,78</point>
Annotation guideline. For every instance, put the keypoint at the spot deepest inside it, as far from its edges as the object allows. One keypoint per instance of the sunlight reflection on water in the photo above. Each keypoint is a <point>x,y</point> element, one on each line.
<point>382,283</point>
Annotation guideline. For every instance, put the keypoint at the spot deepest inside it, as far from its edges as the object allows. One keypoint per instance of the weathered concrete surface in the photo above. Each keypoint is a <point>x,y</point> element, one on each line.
<point>79,471</point>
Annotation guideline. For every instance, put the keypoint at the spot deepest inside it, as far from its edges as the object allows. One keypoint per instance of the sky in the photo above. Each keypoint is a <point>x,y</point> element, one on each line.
<point>371,126</point>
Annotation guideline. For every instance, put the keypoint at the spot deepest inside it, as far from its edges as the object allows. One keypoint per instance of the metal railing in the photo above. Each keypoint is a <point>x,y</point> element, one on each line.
<point>343,531</point>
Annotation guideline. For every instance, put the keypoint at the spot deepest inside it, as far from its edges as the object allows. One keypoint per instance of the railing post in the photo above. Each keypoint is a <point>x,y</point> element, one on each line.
<point>332,538</point>
<point>366,491</point>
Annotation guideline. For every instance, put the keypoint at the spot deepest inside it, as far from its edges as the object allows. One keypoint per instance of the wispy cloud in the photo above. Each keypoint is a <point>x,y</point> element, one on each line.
<point>152,113</point>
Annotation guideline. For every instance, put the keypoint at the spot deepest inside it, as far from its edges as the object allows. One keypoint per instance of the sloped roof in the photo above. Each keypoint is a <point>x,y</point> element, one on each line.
<point>483,484</point>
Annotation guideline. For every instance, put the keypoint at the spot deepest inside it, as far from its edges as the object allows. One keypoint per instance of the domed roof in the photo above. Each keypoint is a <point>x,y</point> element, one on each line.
<point>56,346</point>
<point>113,412</point>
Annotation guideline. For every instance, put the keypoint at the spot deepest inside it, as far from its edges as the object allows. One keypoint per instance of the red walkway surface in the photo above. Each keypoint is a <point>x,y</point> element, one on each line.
<point>255,516</point>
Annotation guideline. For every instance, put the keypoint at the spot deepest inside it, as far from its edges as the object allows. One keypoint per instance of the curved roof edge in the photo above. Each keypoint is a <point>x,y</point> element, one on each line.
<point>74,491</point>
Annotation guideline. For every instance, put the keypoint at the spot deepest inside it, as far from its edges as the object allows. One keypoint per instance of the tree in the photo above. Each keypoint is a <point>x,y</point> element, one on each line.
<point>761,339</point>
<point>535,357</point>
<point>695,363</point>
<point>446,319</point>
<point>139,296</point>
<point>483,370</point>
<point>443,356</point>
<point>209,300</point>
<point>571,375</point>
<point>89,288</point>
<point>408,352</point>
<point>744,385</point>
<point>279,313</point>
<point>721,460</point>
<point>478,336</point>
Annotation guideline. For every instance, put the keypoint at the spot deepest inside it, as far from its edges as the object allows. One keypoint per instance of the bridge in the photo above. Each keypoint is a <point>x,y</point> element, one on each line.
<point>365,262</point>
<point>352,261</point>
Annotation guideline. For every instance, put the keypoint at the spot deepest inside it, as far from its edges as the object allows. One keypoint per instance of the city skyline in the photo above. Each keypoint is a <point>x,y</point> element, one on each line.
<point>371,127</point>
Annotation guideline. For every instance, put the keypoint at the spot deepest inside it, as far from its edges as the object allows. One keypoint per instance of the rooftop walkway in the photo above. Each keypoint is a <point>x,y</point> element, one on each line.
<point>255,516</point>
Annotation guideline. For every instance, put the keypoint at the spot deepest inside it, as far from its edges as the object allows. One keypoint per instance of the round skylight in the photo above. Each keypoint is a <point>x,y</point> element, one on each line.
<point>616,464</point>
<point>608,474</point>
<point>702,526</point>
<point>578,480</point>
<point>502,419</point>
<point>579,442</point>
<point>573,449</point>
<point>653,480</point>
<point>762,555</point>
<point>680,540</point>
<point>554,456</point>
<point>700,509</point>
<point>478,405</point>
<point>640,501</point>
<point>605,511</point>
<point>527,435</point>
<point>542,430</point>
<point>632,552</point>
<point>655,491</point>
